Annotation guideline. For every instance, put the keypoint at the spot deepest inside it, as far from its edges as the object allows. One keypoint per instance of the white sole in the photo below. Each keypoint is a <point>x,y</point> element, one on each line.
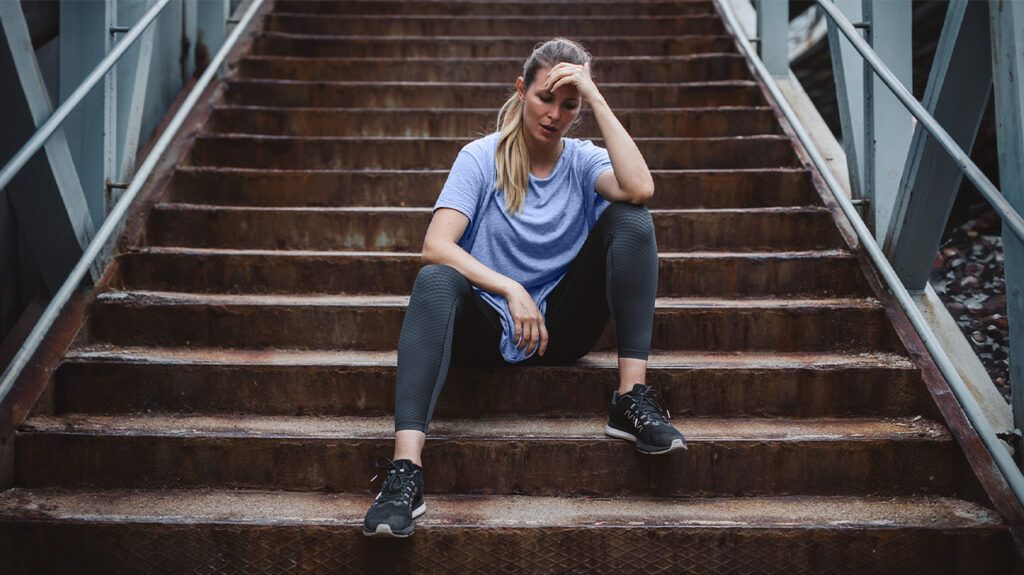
<point>677,444</point>
<point>384,530</point>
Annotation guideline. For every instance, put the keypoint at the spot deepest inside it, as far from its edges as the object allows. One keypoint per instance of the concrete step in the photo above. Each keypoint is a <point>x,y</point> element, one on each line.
<point>282,44</point>
<point>427,95</point>
<point>689,68</point>
<point>188,531</point>
<point>456,122</point>
<point>524,456</point>
<point>284,152</point>
<point>109,380</point>
<point>502,7</point>
<point>682,274</point>
<point>676,189</point>
<point>402,229</point>
<point>374,322</point>
<point>517,25</point>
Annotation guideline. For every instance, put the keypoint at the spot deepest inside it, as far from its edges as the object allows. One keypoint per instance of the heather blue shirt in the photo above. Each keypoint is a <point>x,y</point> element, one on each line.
<point>536,246</point>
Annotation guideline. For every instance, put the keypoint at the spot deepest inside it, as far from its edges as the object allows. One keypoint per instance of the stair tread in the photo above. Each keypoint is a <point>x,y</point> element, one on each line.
<point>489,111</point>
<point>402,39</point>
<point>659,359</point>
<point>606,86</point>
<point>146,297</point>
<point>326,427</point>
<point>696,254</point>
<point>257,507</point>
<point>605,60</point>
<point>454,139</point>
<point>430,209</point>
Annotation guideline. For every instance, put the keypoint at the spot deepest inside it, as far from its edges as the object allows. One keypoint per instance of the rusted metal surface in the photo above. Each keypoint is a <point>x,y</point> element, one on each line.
<point>292,382</point>
<point>753,188</point>
<point>282,44</point>
<point>388,152</point>
<point>405,94</point>
<point>402,229</point>
<point>726,457</point>
<point>681,274</point>
<point>374,323</point>
<point>657,122</point>
<point>259,532</point>
<point>502,7</point>
<point>519,25</point>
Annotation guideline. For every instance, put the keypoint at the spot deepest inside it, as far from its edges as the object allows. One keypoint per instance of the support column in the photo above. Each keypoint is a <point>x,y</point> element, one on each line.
<point>46,195</point>
<point>888,126</point>
<point>1006,20</point>
<point>958,89</point>
<point>773,35</point>
<point>848,70</point>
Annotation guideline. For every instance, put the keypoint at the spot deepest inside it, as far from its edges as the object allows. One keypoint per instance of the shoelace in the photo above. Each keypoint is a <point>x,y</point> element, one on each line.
<point>398,485</point>
<point>647,409</point>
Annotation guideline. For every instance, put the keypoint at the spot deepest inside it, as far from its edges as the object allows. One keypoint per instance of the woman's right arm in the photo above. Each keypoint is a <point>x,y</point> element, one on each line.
<point>440,247</point>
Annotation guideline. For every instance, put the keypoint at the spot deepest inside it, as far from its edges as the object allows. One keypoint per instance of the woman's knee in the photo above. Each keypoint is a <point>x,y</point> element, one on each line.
<point>633,217</point>
<point>440,279</point>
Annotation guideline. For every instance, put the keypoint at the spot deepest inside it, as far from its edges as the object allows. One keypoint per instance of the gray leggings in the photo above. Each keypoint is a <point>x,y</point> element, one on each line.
<point>615,271</point>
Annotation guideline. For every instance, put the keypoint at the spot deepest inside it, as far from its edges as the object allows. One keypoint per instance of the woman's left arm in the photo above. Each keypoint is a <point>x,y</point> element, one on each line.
<point>629,179</point>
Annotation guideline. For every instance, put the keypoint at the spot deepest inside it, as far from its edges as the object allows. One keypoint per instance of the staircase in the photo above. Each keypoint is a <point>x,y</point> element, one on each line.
<point>223,404</point>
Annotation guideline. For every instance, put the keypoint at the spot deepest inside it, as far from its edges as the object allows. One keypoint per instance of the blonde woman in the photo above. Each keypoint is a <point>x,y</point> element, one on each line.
<point>535,240</point>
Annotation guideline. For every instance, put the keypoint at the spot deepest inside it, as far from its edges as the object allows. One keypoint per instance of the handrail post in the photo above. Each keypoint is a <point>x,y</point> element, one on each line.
<point>773,35</point>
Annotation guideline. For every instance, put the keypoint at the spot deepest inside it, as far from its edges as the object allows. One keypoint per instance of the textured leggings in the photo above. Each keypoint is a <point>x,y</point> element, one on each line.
<point>447,323</point>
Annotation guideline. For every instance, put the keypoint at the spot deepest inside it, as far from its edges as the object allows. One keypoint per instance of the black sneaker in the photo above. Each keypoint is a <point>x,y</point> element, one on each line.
<point>399,502</point>
<point>640,417</point>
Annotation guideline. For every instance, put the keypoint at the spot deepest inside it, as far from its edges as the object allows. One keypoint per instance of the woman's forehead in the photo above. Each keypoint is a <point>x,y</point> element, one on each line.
<point>569,91</point>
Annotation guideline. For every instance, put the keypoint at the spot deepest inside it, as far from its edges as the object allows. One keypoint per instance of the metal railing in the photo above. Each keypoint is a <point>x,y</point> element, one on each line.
<point>1004,461</point>
<point>106,233</point>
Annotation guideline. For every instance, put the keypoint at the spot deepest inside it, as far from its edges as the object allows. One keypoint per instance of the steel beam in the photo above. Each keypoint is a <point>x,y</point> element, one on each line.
<point>848,70</point>
<point>958,89</point>
<point>888,127</point>
<point>773,35</point>
<point>211,29</point>
<point>1006,21</point>
<point>83,44</point>
<point>136,105</point>
<point>46,194</point>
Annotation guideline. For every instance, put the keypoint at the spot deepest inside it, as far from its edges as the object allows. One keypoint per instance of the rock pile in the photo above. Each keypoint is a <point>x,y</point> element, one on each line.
<point>968,275</point>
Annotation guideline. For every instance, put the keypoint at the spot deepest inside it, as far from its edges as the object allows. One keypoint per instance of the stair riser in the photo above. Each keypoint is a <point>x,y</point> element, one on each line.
<point>113,387</point>
<point>710,277</point>
<point>483,26</point>
<point>704,69</point>
<point>519,47</point>
<point>404,231</point>
<point>371,95</point>
<point>378,327</point>
<point>768,188</point>
<point>514,466</point>
<point>454,123</point>
<point>407,154</point>
<point>98,547</point>
<point>576,8</point>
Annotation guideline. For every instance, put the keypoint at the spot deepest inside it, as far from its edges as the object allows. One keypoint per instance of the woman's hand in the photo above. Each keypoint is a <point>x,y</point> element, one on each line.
<point>565,73</point>
<point>529,322</point>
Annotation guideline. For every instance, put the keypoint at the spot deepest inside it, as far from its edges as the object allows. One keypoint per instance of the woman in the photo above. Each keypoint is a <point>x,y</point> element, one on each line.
<point>532,233</point>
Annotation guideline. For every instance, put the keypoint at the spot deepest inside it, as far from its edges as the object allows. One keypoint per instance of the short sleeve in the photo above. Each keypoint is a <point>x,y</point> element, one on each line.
<point>593,161</point>
<point>464,187</point>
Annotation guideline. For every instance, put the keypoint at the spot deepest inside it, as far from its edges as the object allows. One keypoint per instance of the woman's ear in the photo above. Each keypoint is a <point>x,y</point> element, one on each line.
<point>520,88</point>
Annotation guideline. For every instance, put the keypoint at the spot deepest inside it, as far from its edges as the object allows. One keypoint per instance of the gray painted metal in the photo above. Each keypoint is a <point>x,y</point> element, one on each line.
<point>211,24</point>
<point>82,45</point>
<point>105,236</point>
<point>848,70</point>
<point>959,85</point>
<point>888,128</point>
<point>1009,215</point>
<point>1007,27</point>
<point>773,35</point>
<point>136,105</point>
<point>47,198</point>
<point>1009,469</point>
<point>110,112</point>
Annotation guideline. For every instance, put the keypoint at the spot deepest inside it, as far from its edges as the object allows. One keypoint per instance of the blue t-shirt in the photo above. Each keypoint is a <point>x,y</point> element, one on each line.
<point>533,247</point>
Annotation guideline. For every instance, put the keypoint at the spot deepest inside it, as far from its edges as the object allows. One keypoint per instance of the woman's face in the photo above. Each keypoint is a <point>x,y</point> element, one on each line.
<point>543,109</point>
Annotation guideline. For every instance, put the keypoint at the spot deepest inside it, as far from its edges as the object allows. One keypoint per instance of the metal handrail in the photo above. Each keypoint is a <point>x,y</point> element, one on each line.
<point>38,140</point>
<point>1010,216</point>
<point>106,232</point>
<point>1005,463</point>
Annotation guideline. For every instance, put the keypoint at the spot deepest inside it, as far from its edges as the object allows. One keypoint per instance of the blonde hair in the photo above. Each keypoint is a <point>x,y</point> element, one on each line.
<point>512,156</point>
